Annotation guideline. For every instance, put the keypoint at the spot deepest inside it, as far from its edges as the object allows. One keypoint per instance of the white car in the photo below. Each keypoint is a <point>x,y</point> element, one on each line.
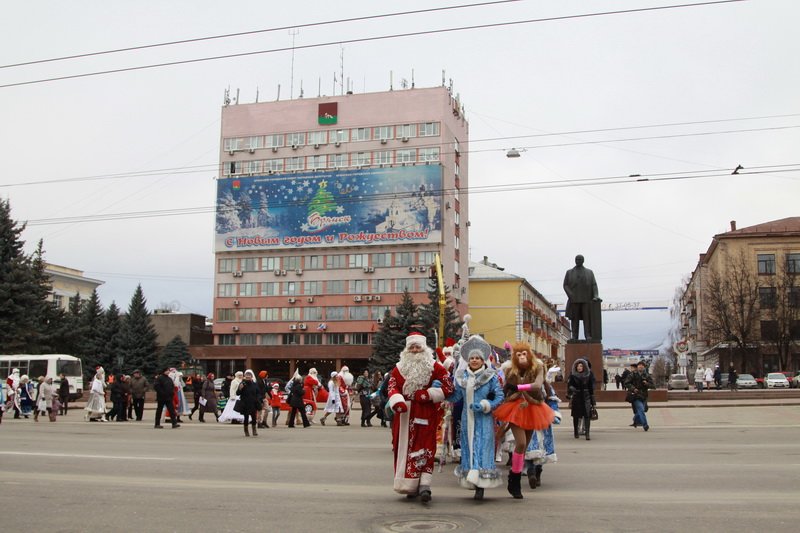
<point>776,380</point>
<point>746,381</point>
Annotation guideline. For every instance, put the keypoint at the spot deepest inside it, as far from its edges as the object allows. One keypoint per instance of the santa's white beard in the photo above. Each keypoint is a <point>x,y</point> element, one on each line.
<point>416,369</point>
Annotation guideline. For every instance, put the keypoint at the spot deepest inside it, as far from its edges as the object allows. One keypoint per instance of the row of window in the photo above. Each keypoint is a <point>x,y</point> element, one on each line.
<point>768,297</point>
<point>292,314</point>
<point>314,288</point>
<point>319,262</point>
<point>766,263</point>
<point>275,339</point>
<point>328,161</point>
<point>278,140</point>
<point>769,330</point>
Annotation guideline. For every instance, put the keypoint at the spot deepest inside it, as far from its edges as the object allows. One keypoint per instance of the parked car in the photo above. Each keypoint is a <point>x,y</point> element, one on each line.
<point>776,380</point>
<point>790,377</point>
<point>218,384</point>
<point>678,381</point>
<point>747,381</point>
<point>795,382</point>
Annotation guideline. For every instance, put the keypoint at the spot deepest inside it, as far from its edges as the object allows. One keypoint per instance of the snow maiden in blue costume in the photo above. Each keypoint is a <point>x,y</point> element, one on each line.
<point>477,385</point>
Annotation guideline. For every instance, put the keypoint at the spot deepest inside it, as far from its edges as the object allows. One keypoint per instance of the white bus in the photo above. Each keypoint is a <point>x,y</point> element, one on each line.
<point>51,365</point>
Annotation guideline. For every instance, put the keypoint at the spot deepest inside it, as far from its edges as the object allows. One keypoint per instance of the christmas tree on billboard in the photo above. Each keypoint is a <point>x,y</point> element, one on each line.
<point>323,201</point>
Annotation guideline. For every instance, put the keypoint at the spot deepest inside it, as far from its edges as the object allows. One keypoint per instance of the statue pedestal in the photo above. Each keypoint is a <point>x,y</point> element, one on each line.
<point>592,352</point>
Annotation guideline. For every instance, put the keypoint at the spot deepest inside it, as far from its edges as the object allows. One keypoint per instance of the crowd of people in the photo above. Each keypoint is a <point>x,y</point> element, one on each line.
<point>26,398</point>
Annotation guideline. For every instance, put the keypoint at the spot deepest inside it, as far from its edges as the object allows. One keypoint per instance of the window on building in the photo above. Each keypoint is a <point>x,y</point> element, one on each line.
<point>359,134</point>
<point>291,338</point>
<point>378,311</point>
<point>254,143</point>
<point>249,264</point>
<point>312,313</point>
<point>313,338</point>
<point>335,261</point>
<point>359,313</point>
<point>383,132</point>
<point>358,260</point>
<point>361,159</point>
<point>269,339</point>
<point>226,339</point>
<point>226,290</point>
<point>337,160</point>
<point>248,339</point>
<point>428,154</point>
<point>316,162</point>
<point>359,338</point>
<point>336,338</point>
<point>317,137</point>
<point>767,297</point>
<point>313,262</point>
<point>269,288</point>
<point>358,286</point>
<point>58,301</point>
<point>226,315</point>
<point>383,158</point>
<point>226,265</point>
<point>769,330</point>
<point>292,262</point>
<point>794,296</point>
<point>405,284</point>
<point>339,136</point>
<point>249,315</point>
<point>291,313</point>
<point>294,163</point>
<point>273,141</point>
<point>335,286</point>
<point>289,288</point>
<point>406,130</point>
<point>382,260</point>
<point>270,263</point>
<point>429,129</point>
<point>406,156</point>
<point>334,313</point>
<point>793,263</point>
<point>275,165</point>
<point>270,314</point>
<point>296,139</point>
<point>766,263</point>
<point>248,289</point>
<point>311,288</point>
<point>403,259</point>
<point>236,143</point>
<point>427,258</point>
<point>380,285</point>
<point>252,167</point>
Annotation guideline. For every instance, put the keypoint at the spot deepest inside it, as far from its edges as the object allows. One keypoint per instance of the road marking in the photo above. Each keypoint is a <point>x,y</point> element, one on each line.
<point>81,456</point>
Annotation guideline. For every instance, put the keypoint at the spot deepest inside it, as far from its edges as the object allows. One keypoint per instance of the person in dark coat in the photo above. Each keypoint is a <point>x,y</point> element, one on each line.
<point>580,392</point>
<point>248,402</point>
<point>209,394</point>
<point>197,392</point>
<point>63,394</point>
<point>118,400</point>
<point>226,386</point>
<point>296,394</point>
<point>165,388</point>
<point>638,384</point>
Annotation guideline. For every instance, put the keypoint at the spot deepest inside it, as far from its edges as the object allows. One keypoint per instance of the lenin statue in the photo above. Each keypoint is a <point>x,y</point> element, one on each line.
<point>583,302</point>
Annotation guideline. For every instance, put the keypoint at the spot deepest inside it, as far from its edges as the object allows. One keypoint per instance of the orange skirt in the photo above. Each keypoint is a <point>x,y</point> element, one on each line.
<point>536,416</point>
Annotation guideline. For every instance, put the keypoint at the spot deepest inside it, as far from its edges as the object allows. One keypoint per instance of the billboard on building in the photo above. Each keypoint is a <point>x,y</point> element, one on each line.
<point>397,205</point>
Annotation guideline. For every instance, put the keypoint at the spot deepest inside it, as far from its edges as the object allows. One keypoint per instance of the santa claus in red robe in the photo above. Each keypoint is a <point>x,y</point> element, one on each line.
<point>417,385</point>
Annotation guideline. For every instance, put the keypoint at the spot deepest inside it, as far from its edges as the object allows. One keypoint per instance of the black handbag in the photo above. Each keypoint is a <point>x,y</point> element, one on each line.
<point>238,407</point>
<point>630,397</point>
<point>594,416</point>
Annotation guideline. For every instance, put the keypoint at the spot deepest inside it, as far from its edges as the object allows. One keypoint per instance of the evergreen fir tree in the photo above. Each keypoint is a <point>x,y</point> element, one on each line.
<point>49,318</point>
<point>74,334</point>
<point>18,295</point>
<point>390,340</point>
<point>91,344</point>
<point>174,353</point>
<point>138,338</point>
<point>110,337</point>
<point>429,315</point>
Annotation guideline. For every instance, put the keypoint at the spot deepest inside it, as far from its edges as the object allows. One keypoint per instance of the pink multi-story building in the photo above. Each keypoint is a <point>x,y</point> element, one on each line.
<point>327,209</point>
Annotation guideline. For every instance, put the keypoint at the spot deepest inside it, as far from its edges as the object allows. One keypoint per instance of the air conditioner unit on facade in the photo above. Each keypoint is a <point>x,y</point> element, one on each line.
<point>235,328</point>
<point>380,321</point>
<point>236,302</point>
<point>377,298</point>
<point>356,298</point>
<point>277,272</point>
<point>412,269</point>
<point>384,141</point>
<point>293,327</point>
<point>310,299</point>
<point>299,271</point>
<point>274,148</point>
<point>405,139</point>
<point>292,300</point>
<point>252,150</point>
<point>237,274</point>
<point>303,326</point>
<point>295,147</point>
<point>283,272</point>
<point>337,143</point>
<point>231,152</point>
<point>316,146</point>
<point>368,298</point>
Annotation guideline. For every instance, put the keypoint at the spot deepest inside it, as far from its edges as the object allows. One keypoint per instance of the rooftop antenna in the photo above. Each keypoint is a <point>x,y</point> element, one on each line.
<point>226,99</point>
<point>237,96</point>
<point>334,84</point>
<point>403,83</point>
<point>412,78</point>
<point>443,84</point>
<point>319,87</point>
<point>301,88</point>
<point>256,93</point>
<point>341,69</point>
<point>293,32</point>
<point>391,80</point>
<point>279,93</point>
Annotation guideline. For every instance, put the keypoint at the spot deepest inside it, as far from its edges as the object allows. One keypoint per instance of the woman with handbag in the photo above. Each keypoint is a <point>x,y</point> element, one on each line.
<point>248,402</point>
<point>580,393</point>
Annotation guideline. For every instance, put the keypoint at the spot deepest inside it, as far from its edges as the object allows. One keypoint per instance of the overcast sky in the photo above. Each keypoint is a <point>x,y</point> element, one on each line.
<point>540,86</point>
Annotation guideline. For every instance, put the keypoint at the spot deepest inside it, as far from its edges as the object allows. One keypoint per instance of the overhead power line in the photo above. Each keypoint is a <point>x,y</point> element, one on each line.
<point>255,32</point>
<point>482,189</point>
<point>370,39</point>
<point>215,166</point>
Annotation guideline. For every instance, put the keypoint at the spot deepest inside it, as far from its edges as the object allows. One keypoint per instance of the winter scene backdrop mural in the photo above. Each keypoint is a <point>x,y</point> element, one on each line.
<point>333,208</point>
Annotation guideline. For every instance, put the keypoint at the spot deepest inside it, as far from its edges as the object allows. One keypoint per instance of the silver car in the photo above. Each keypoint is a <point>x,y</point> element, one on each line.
<point>678,381</point>
<point>746,381</point>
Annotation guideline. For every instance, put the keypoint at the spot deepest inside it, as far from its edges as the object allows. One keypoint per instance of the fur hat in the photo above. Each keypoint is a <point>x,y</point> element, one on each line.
<point>416,338</point>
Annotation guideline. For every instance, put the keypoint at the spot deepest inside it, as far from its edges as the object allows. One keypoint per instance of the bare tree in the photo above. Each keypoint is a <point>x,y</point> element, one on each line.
<point>784,313</point>
<point>731,305</point>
